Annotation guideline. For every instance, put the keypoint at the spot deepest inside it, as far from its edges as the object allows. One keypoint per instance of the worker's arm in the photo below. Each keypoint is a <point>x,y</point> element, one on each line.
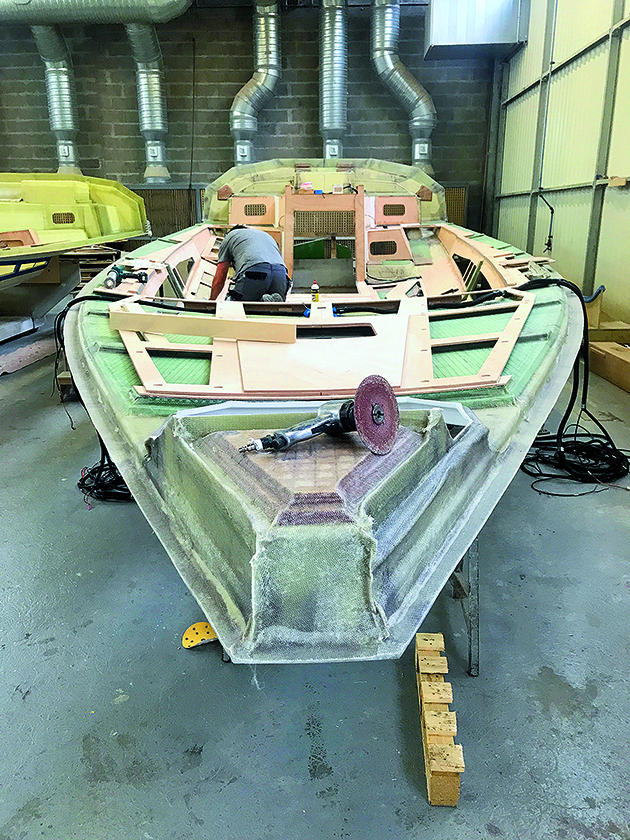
<point>218,281</point>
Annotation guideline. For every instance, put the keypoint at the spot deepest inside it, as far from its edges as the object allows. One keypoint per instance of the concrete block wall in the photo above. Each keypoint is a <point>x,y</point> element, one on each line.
<point>109,142</point>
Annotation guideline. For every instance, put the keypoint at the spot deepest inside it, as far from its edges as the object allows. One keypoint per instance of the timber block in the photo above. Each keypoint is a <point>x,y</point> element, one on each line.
<point>611,360</point>
<point>443,758</point>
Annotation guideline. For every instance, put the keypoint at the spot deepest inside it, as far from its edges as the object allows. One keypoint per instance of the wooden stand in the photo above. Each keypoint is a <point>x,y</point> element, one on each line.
<point>443,758</point>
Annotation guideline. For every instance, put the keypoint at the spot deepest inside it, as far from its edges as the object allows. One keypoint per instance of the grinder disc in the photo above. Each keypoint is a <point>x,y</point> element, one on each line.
<point>376,414</point>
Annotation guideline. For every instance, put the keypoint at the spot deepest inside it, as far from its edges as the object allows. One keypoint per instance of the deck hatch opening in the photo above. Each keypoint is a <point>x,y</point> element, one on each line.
<point>336,331</point>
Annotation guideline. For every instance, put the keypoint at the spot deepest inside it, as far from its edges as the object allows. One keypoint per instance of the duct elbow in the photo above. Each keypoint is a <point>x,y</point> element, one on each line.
<point>259,89</point>
<point>383,63</point>
<point>167,10</point>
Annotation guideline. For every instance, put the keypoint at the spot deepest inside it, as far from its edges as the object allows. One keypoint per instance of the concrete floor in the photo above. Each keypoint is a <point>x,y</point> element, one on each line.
<point>110,730</point>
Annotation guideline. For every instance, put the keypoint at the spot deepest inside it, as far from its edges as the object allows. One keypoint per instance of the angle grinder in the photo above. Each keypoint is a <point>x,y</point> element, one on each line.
<point>373,414</point>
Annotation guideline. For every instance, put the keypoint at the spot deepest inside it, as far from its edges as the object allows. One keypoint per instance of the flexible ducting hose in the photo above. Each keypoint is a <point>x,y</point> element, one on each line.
<point>404,87</point>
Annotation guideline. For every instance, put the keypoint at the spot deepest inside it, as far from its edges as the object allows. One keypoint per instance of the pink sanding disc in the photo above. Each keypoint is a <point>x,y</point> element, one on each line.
<point>376,414</point>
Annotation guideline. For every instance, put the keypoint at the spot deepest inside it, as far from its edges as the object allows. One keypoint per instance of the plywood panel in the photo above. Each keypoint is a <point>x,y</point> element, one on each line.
<point>614,254</point>
<point>513,214</point>
<point>619,161</point>
<point>315,363</point>
<point>520,135</point>
<point>578,23</point>
<point>570,231</point>
<point>574,120</point>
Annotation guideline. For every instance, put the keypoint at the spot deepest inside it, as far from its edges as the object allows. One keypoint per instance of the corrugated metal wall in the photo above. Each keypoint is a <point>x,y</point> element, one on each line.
<point>578,22</point>
<point>520,135</point>
<point>570,230</point>
<point>574,120</point>
<point>619,162</point>
<point>513,220</point>
<point>614,253</point>
<point>565,132</point>
<point>526,65</point>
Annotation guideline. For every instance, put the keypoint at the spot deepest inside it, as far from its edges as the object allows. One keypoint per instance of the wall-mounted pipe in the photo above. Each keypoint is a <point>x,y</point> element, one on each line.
<point>255,93</point>
<point>61,93</point>
<point>151,99</point>
<point>395,76</point>
<point>333,76</point>
<point>137,15</point>
<point>43,12</point>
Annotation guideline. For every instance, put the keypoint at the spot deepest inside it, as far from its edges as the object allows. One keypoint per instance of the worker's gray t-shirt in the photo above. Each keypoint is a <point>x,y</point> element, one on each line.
<point>245,247</point>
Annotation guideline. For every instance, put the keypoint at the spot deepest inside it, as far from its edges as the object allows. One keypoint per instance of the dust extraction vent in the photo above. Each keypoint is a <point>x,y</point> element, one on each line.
<point>63,218</point>
<point>323,223</point>
<point>255,209</point>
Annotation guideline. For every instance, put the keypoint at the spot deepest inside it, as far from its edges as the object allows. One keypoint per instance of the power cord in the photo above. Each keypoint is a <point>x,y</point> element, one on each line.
<point>103,481</point>
<point>573,452</point>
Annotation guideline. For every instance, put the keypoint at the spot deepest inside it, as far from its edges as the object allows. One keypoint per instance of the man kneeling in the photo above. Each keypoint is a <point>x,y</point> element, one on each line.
<point>259,270</point>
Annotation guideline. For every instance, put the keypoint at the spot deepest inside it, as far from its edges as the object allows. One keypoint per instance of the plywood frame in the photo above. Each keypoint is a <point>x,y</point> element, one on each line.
<point>233,370</point>
<point>330,202</point>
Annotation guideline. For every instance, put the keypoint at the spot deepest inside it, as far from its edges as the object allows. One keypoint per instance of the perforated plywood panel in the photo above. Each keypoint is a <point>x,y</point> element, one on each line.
<point>169,210</point>
<point>570,231</point>
<point>575,115</point>
<point>456,203</point>
<point>578,23</point>
<point>520,135</point>
<point>526,66</point>
<point>253,211</point>
<point>323,223</point>
<point>513,213</point>
<point>614,254</point>
<point>619,161</point>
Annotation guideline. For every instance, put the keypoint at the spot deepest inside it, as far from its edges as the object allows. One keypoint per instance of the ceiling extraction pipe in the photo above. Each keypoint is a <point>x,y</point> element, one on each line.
<point>333,76</point>
<point>255,93</point>
<point>43,12</point>
<point>151,99</point>
<point>61,93</point>
<point>404,87</point>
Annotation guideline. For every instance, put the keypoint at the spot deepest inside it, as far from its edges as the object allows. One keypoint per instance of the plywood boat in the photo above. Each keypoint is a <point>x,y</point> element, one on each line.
<point>324,551</point>
<point>42,216</point>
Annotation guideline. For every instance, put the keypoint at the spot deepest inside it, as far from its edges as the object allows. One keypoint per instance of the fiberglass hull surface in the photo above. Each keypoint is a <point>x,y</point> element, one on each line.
<point>289,568</point>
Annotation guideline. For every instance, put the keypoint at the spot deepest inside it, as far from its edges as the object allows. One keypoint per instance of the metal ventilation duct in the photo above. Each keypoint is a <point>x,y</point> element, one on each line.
<point>151,100</point>
<point>137,15</point>
<point>333,76</point>
<point>61,93</point>
<point>395,76</point>
<point>36,12</point>
<point>255,93</point>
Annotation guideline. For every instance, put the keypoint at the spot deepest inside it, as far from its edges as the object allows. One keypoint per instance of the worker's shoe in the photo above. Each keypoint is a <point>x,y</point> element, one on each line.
<point>273,298</point>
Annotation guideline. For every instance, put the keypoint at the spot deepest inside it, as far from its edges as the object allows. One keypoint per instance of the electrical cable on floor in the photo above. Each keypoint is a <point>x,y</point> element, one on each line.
<point>574,453</point>
<point>103,481</point>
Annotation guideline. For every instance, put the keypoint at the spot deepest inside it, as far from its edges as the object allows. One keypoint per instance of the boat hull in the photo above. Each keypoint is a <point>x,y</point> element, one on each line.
<point>291,570</point>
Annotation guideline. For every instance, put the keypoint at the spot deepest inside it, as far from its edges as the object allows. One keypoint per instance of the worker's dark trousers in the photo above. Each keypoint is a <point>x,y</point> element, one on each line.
<point>260,279</point>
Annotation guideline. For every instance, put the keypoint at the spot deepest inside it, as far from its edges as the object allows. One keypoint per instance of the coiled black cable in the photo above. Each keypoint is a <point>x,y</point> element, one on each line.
<point>103,481</point>
<point>574,453</point>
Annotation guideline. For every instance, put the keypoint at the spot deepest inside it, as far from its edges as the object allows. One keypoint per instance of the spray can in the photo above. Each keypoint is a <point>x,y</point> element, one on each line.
<point>315,292</point>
